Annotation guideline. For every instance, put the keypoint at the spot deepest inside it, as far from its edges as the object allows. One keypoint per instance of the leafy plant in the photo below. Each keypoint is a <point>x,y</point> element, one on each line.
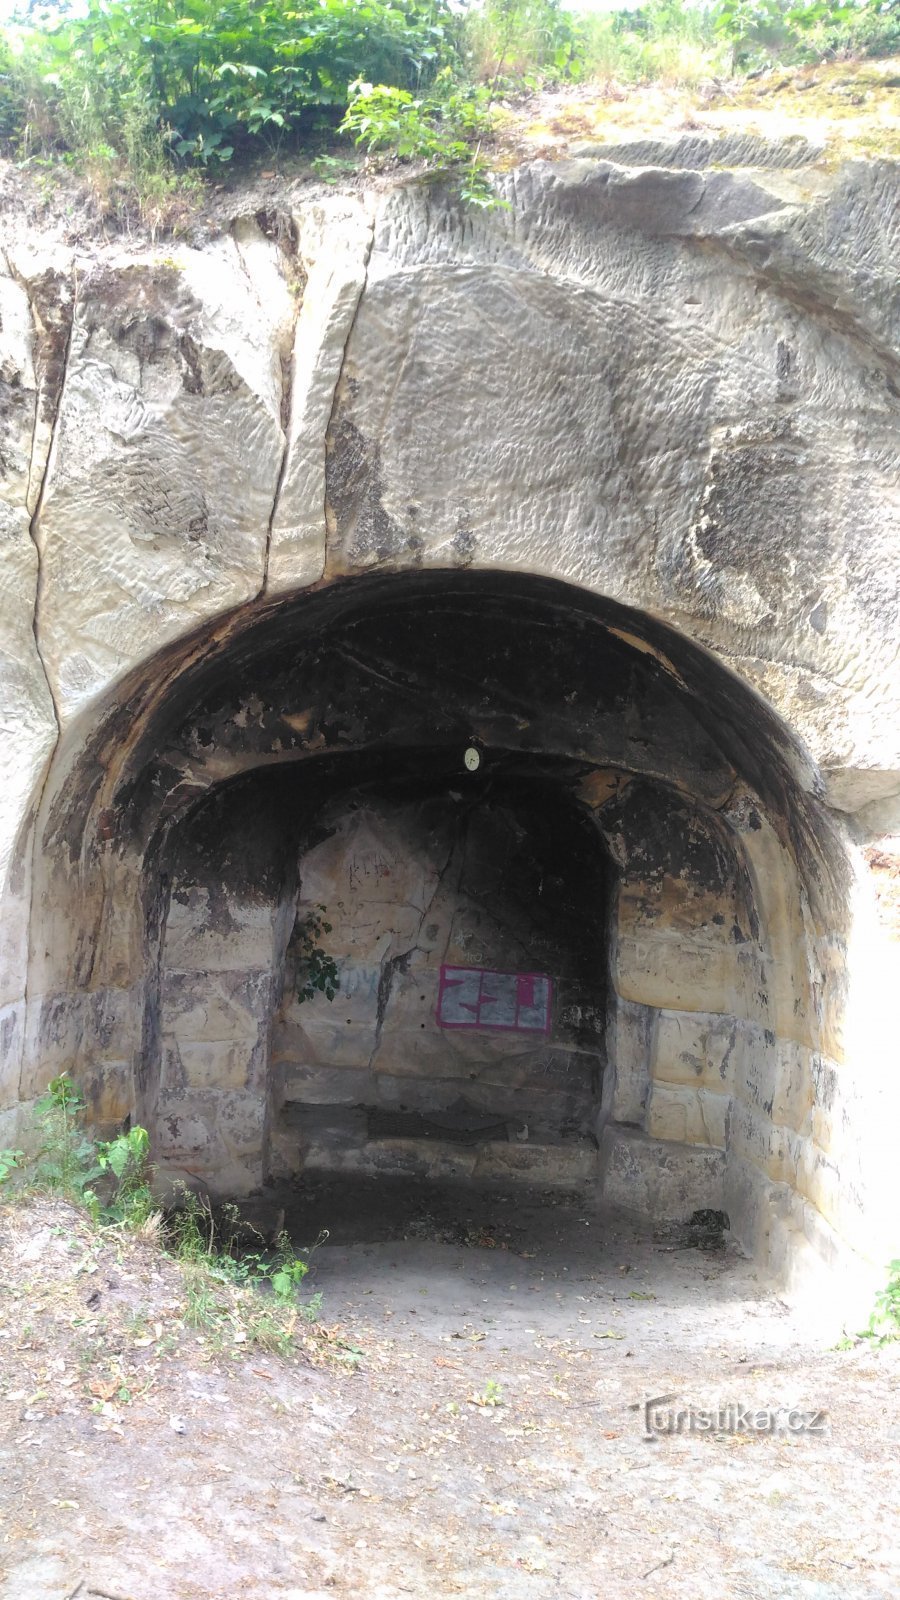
<point>383,117</point>
<point>437,129</point>
<point>524,43</point>
<point>10,1161</point>
<point>218,77</point>
<point>663,41</point>
<point>270,1329</point>
<point>349,1354</point>
<point>884,1323</point>
<point>126,1155</point>
<point>752,28</point>
<point>224,1277</point>
<point>110,1177</point>
<point>761,31</point>
<point>215,1237</point>
<point>288,1270</point>
<point>491,1396</point>
<point>67,1159</point>
<point>331,169</point>
<point>142,96</point>
<point>311,1309</point>
<point>317,972</point>
<point>475,187</point>
<point>125,1159</point>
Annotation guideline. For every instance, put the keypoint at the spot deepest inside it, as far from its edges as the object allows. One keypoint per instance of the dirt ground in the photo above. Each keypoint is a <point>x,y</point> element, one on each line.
<point>468,1420</point>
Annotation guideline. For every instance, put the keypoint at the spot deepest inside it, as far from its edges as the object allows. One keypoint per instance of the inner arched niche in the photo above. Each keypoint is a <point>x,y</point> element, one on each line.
<point>722,919</point>
<point>428,880</point>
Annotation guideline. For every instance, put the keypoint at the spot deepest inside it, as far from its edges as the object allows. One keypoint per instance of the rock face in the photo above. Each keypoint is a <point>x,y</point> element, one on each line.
<point>602,484</point>
<point>167,455</point>
<point>668,390</point>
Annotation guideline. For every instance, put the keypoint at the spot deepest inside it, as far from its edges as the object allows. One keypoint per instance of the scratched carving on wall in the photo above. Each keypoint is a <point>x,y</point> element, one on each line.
<point>475,997</point>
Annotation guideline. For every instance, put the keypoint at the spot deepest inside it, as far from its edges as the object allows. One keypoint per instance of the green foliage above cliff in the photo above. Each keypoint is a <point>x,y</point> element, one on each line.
<point>156,88</point>
<point>220,77</point>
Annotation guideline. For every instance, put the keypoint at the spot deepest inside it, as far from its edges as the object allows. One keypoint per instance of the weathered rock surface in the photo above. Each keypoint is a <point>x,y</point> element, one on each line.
<point>686,392</point>
<point>335,238</point>
<point>29,723</point>
<point>168,449</point>
<point>666,382</point>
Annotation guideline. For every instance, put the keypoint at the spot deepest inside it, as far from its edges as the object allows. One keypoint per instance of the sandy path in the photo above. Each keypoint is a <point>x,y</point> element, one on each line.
<point>400,1477</point>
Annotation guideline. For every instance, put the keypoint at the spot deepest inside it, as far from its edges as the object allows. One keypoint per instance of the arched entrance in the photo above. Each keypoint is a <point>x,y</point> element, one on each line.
<point>641,889</point>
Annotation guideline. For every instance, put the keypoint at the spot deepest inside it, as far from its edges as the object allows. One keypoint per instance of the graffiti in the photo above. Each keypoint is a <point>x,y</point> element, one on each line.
<point>367,864</point>
<point>474,997</point>
<point>359,982</point>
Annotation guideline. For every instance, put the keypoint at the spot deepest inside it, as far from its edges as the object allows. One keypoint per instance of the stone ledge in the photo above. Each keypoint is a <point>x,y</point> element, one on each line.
<point>696,151</point>
<point>657,1177</point>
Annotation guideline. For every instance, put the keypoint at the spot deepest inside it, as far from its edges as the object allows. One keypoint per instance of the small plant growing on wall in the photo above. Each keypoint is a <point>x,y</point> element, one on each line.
<point>317,971</point>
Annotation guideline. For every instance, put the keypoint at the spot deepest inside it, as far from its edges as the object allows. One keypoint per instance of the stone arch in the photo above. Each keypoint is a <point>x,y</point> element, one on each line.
<point>728,986</point>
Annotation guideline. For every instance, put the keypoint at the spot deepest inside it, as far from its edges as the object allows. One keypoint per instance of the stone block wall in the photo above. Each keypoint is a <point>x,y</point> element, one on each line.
<point>230,910</point>
<point>685,1008</point>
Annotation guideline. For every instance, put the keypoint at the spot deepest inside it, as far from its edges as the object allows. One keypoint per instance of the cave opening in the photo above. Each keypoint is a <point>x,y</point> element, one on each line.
<point>566,867</point>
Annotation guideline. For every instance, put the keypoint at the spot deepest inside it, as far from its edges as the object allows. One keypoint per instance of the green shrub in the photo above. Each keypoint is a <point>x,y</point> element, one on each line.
<point>10,1161</point>
<point>763,31</point>
<point>445,131</point>
<point>869,30</point>
<point>67,1159</point>
<point>516,43</point>
<point>12,96</point>
<point>876,30</point>
<point>141,94</point>
<point>663,41</point>
<point>110,1177</point>
<point>218,1240</point>
<point>125,1160</point>
<point>216,77</point>
<point>287,1271</point>
<point>436,129</point>
<point>884,1324</point>
<point>317,972</point>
